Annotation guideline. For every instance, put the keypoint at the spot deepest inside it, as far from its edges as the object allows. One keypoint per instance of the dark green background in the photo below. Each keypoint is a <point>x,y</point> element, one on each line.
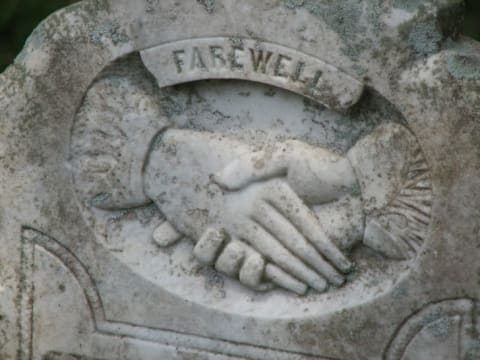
<point>19,17</point>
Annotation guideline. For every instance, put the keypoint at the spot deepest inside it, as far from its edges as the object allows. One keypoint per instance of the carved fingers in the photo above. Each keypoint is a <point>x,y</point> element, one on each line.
<point>293,262</point>
<point>284,280</point>
<point>274,238</point>
<point>209,246</point>
<point>283,198</point>
<point>267,245</point>
<point>238,260</point>
<point>283,229</point>
<point>286,233</point>
<point>166,235</point>
<point>277,239</point>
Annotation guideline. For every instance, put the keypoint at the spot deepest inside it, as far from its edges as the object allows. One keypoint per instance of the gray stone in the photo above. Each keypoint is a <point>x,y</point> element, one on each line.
<point>291,179</point>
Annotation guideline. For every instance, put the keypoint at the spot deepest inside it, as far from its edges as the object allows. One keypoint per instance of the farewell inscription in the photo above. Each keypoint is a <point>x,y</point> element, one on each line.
<point>217,58</point>
<point>248,59</point>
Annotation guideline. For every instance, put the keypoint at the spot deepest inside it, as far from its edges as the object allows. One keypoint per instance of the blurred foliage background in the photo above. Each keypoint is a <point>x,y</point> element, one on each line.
<point>19,17</point>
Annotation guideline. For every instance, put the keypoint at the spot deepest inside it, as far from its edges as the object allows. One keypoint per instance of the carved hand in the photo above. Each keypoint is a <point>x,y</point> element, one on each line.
<point>323,180</point>
<point>266,218</point>
<point>317,175</point>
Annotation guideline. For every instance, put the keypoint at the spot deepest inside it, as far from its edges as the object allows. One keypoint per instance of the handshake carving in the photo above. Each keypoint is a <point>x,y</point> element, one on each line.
<point>286,215</point>
<point>282,216</point>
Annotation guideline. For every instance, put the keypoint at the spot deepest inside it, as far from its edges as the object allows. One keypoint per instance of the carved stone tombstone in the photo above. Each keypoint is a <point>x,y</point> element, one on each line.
<point>220,179</point>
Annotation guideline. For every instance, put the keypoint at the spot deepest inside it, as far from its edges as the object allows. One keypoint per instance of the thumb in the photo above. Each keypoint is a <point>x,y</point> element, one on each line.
<point>251,167</point>
<point>166,235</point>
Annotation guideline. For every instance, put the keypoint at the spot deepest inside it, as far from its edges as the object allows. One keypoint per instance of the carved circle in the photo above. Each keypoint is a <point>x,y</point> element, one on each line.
<point>123,111</point>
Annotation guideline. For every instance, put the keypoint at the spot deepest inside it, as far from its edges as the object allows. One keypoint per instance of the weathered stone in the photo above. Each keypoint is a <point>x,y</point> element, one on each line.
<point>293,179</point>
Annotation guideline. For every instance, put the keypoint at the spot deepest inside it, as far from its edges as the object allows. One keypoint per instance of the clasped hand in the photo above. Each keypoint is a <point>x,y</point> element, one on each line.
<point>250,212</point>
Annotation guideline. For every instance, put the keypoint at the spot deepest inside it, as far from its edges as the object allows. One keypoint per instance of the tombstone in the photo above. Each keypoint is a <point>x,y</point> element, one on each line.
<point>220,179</point>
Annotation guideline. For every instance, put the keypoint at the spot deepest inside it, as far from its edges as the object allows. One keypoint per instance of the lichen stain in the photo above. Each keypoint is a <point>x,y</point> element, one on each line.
<point>408,5</point>
<point>293,4</point>
<point>441,329</point>
<point>53,27</point>
<point>426,37</point>
<point>345,18</point>
<point>464,66</point>
<point>473,351</point>
<point>110,30</point>
<point>209,5</point>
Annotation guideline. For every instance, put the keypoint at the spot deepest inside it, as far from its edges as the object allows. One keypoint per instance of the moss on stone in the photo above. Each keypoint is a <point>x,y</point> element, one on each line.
<point>473,351</point>
<point>426,37</point>
<point>408,5</point>
<point>108,30</point>
<point>464,66</point>
<point>293,4</point>
<point>209,5</point>
<point>345,18</point>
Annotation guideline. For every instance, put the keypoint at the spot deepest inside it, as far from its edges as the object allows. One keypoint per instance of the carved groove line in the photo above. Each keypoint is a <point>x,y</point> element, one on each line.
<point>32,238</point>
<point>74,265</point>
<point>25,296</point>
<point>201,343</point>
<point>407,331</point>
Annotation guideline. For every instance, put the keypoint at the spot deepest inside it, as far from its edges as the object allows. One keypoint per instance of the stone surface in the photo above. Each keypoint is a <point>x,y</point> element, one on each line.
<point>288,179</point>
